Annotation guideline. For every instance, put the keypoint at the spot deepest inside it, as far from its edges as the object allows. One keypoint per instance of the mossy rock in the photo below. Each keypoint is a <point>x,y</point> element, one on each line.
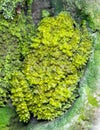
<point>66,120</point>
<point>14,43</point>
<point>59,52</point>
<point>91,10</point>
<point>80,116</point>
<point>81,113</point>
<point>52,69</point>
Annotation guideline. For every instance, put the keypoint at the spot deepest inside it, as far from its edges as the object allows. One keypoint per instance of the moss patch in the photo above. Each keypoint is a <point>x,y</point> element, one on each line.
<point>80,115</point>
<point>6,114</point>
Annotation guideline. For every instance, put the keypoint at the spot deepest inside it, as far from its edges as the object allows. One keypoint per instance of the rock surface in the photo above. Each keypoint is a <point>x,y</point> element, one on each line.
<point>91,9</point>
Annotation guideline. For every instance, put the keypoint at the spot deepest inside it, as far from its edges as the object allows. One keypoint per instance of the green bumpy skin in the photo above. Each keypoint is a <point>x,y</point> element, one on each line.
<point>59,52</point>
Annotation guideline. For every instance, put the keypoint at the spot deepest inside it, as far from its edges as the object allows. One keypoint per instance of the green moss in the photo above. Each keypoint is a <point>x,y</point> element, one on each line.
<point>21,96</point>
<point>8,8</point>
<point>14,44</point>
<point>9,55</point>
<point>5,115</point>
<point>90,10</point>
<point>60,51</point>
<point>3,98</point>
<point>52,70</point>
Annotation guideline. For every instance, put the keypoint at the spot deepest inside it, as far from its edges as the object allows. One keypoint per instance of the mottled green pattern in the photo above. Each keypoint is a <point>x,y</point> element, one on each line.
<point>59,53</point>
<point>91,10</point>
<point>78,116</point>
<point>5,116</point>
<point>14,42</point>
